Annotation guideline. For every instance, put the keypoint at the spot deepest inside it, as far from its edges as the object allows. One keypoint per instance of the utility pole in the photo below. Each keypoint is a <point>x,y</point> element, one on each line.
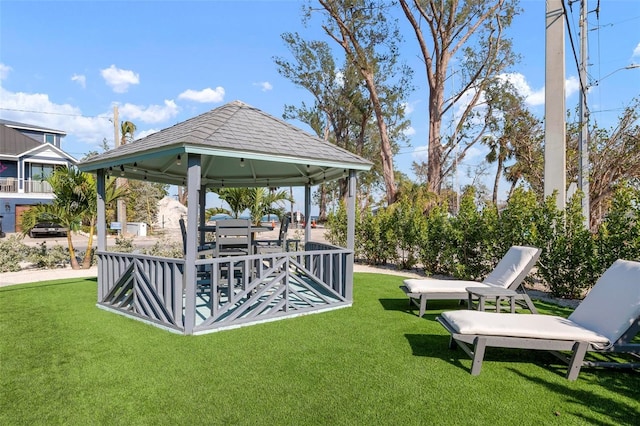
<point>583,143</point>
<point>554,105</point>
<point>121,212</point>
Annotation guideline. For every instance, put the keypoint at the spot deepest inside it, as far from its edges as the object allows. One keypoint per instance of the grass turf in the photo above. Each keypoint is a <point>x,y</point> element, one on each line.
<point>64,361</point>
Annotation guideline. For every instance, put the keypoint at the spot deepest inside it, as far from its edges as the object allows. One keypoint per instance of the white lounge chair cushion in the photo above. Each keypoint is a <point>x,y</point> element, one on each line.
<point>515,261</point>
<point>613,304</point>
<point>517,325</point>
<point>511,265</point>
<point>440,286</point>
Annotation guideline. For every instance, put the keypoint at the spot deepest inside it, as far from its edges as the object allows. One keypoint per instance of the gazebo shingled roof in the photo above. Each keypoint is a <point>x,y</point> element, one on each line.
<point>240,146</point>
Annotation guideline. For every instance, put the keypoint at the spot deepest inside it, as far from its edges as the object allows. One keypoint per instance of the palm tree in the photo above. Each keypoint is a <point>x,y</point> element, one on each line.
<point>72,189</point>
<point>236,198</point>
<point>89,189</point>
<point>263,202</point>
<point>259,201</point>
<point>75,202</point>
<point>127,130</point>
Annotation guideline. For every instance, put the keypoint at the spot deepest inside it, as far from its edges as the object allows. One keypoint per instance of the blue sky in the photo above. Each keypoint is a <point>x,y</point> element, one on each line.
<point>65,64</point>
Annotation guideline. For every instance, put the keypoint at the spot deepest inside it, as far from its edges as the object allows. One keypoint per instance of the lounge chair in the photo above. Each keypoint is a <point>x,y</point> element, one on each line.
<point>509,273</point>
<point>606,321</point>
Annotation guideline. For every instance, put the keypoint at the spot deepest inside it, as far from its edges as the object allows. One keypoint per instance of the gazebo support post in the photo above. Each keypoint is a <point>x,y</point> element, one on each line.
<point>351,233</point>
<point>307,212</point>
<point>101,226</point>
<point>201,216</point>
<point>189,275</point>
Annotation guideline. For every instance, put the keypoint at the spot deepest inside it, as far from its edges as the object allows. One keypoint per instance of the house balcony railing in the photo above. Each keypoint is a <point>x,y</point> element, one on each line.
<point>11,184</point>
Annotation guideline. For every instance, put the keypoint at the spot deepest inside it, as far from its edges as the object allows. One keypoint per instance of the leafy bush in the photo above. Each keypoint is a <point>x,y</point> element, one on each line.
<point>568,257</point>
<point>55,257</point>
<point>124,244</point>
<point>166,248</point>
<point>469,245</point>
<point>12,252</point>
<point>619,235</point>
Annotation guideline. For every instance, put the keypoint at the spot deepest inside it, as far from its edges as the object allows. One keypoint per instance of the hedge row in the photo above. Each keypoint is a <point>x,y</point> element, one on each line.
<point>469,244</point>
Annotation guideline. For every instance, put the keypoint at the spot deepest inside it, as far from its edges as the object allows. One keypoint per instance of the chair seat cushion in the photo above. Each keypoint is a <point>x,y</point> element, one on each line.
<point>547,327</point>
<point>415,285</point>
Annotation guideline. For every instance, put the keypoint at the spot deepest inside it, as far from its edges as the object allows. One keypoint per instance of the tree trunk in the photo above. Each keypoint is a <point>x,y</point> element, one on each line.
<point>72,252</point>
<point>86,261</point>
<point>322,214</point>
<point>386,155</point>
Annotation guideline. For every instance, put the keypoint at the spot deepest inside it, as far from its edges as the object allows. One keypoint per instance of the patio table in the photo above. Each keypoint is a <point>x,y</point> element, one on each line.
<point>498,292</point>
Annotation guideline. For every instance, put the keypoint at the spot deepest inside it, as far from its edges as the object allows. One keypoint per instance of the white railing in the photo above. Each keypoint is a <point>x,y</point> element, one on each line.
<point>9,184</point>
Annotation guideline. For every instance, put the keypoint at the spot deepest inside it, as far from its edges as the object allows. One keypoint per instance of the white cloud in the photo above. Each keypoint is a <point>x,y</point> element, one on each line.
<point>532,97</point>
<point>571,86</point>
<point>409,107</point>
<point>636,51</point>
<point>119,80</point>
<point>146,133</point>
<point>80,79</point>
<point>205,95</point>
<point>65,117</point>
<point>265,85</point>
<point>420,154</point>
<point>149,114</point>
<point>4,71</point>
<point>410,131</point>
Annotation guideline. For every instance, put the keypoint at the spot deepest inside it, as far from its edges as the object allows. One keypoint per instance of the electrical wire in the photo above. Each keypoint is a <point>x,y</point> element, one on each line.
<point>55,113</point>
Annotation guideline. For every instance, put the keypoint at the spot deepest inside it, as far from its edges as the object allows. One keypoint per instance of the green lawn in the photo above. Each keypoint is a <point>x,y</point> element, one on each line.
<point>64,361</point>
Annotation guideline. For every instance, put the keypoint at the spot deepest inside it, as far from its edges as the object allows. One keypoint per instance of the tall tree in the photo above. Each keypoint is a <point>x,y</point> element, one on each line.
<point>472,33</point>
<point>370,42</point>
<point>509,123</point>
<point>341,112</point>
<point>142,202</point>
<point>614,157</point>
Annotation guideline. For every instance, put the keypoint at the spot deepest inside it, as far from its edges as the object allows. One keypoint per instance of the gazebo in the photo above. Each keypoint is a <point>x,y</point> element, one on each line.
<point>235,145</point>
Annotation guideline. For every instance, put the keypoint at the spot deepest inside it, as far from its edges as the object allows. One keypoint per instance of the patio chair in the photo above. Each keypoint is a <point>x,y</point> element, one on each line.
<point>233,237</point>
<point>509,273</point>
<point>203,249</point>
<point>606,322</point>
<point>279,245</point>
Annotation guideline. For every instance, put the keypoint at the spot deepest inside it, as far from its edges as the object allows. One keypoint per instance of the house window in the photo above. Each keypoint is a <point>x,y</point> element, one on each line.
<point>50,138</point>
<point>41,171</point>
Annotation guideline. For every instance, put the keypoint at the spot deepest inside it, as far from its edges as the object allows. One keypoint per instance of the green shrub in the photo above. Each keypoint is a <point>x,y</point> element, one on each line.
<point>166,248</point>
<point>12,252</point>
<point>619,235</point>
<point>567,262</point>
<point>517,223</point>
<point>337,226</point>
<point>124,244</point>
<point>470,244</point>
<point>54,257</point>
<point>436,249</point>
<point>475,236</point>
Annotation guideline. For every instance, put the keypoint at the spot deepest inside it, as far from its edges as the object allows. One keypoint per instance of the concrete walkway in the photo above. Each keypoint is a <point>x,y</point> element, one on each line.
<point>39,275</point>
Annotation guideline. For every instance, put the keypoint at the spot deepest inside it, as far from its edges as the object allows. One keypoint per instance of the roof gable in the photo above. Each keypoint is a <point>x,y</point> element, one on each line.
<point>14,142</point>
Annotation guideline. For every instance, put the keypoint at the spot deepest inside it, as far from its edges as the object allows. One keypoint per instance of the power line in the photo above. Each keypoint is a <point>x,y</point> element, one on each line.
<point>55,113</point>
<point>573,49</point>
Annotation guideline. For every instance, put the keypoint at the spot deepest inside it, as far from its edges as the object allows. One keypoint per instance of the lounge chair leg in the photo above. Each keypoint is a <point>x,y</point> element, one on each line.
<point>579,350</point>
<point>452,343</point>
<point>479,345</point>
<point>423,305</point>
<point>530,304</point>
